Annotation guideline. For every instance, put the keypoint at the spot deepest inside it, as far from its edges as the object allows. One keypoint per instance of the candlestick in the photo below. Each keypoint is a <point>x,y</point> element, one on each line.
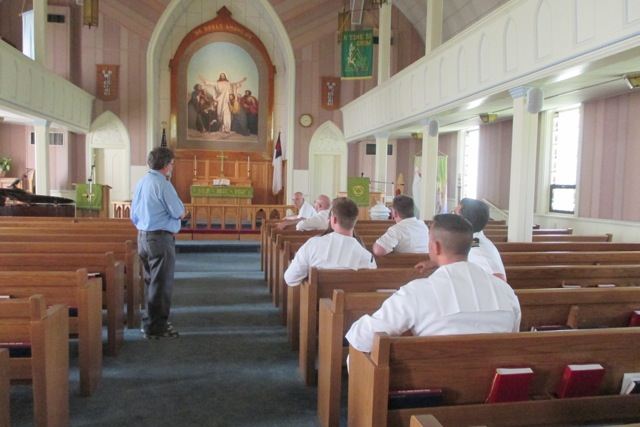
<point>248,163</point>
<point>195,166</point>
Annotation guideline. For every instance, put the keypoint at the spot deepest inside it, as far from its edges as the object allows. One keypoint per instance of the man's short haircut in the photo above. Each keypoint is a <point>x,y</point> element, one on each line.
<point>476,212</point>
<point>159,157</point>
<point>404,205</point>
<point>453,232</point>
<point>346,211</point>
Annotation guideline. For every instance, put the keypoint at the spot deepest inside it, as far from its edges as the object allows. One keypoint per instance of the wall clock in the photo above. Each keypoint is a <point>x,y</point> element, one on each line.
<point>306,120</point>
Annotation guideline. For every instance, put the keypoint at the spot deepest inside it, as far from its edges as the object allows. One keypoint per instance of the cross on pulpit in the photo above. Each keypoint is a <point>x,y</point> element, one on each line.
<point>222,157</point>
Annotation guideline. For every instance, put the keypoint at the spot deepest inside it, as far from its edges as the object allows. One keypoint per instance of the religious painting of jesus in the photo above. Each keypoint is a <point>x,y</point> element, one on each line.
<point>222,106</point>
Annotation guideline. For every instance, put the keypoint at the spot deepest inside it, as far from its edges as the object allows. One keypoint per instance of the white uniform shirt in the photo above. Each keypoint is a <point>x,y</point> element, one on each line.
<point>319,221</point>
<point>306,210</point>
<point>331,251</point>
<point>409,236</point>
<point>486,255</point>
<point>458,298</point>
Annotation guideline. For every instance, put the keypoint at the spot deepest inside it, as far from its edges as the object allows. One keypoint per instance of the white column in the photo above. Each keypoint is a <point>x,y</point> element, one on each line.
<point>40,26</point>
<point>384,42</point>
<point>41,131</point>
<point>523,167</point>
<point>433,32</point>
<point>380,174</point>
<point>429,168</point>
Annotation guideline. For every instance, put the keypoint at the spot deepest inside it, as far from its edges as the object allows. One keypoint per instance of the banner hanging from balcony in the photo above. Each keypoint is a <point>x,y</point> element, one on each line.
<point>107,82</point>
<point>331,93</point>
<point>357,54</point>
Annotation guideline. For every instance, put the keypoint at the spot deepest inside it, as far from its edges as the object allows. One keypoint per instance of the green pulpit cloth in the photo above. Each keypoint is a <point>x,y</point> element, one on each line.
<point>89,200</point>
<point>221,191</point>
<point>358,190</point>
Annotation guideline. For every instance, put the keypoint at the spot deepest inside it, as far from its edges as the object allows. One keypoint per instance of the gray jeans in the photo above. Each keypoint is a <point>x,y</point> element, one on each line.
<point>157,251</point>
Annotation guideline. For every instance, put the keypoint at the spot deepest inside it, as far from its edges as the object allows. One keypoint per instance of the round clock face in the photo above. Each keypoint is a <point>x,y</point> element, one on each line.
<point>306,120</point>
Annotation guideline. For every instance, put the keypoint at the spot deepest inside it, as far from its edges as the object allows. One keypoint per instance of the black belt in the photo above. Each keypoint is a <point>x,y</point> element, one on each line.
<point>155,232</point>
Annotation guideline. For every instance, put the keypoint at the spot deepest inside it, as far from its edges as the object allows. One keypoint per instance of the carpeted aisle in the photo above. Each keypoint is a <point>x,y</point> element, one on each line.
<point>231,366</point>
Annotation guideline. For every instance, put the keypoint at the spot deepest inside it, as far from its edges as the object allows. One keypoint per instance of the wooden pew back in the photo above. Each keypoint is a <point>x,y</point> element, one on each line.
<point>570,258</point>
<point>112,272</point>
<point>71,289</point>
<point>124,251</point>
<point>554,276</point>
<point>464,365</point>
<point>565,246</point>
<point>321,284</point>
<point>47,331</point>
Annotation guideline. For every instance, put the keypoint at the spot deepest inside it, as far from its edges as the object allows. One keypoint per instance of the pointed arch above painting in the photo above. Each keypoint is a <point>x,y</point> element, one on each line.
<point>222,89</point>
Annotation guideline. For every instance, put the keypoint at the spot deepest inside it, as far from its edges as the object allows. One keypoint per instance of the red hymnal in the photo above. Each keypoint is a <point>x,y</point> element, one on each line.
<point>581,380</point>
<point>635,318</point>
<point>510,385</point>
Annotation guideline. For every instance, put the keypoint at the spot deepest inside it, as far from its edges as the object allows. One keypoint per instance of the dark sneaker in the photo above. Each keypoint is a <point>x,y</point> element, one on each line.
<point>169,333</point>
<point>169,325</point>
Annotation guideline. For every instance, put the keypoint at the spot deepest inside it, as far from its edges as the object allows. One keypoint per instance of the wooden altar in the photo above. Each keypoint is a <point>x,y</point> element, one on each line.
<point>221,195</point>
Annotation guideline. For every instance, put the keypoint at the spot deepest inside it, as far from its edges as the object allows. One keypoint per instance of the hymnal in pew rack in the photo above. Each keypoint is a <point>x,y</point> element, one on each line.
<point>402,399</point>
<point>635,318</point>
<point>630,383</point>
<point>510,385</point>
<point>580,380</point>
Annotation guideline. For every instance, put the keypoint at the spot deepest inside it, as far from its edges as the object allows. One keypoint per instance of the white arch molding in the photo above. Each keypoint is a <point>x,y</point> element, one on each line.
<point>328,155</point>
<point>109,146</point>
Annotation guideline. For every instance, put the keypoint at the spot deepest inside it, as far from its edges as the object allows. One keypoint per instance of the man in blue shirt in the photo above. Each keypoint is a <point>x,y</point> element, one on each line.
<point>156,211</point>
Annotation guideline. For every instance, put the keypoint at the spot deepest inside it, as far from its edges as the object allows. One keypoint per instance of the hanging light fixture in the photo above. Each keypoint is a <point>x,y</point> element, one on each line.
<point>90,13</point>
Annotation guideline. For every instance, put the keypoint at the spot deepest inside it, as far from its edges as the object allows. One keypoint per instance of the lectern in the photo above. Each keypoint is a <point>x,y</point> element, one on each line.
<point>92,200</point>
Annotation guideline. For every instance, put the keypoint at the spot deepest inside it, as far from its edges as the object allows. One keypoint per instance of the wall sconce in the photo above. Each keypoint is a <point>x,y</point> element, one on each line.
<point>90,13</point>
<point>633,80</point>
<point>488,118</point>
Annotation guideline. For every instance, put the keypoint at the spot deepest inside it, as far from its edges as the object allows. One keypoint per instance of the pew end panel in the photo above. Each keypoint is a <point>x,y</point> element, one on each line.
<point>47,331</point>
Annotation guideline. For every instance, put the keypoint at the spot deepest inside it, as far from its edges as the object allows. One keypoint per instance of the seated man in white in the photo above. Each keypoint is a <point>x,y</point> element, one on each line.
<point>305,210</point>
<point>407,235</point>
<point>483,251</point>
<point>458,298</point>
<point>337,249</point>
<point>319,221</point>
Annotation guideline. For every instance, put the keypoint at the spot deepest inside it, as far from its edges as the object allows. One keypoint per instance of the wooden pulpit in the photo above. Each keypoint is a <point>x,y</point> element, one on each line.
<point>92,200</point>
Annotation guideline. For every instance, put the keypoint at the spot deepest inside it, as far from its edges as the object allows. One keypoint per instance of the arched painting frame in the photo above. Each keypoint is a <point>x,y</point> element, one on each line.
<point>200,109</point>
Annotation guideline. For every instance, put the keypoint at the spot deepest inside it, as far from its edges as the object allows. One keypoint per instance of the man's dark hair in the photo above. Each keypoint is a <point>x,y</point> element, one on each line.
<point>159,157</point>
<point>476,212</point>
<point>453,232</point>
<point>346,211</point>
<point>404,206</point>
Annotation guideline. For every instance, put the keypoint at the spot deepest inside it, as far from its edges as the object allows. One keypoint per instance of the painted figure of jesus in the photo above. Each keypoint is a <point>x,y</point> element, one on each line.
<point>221,91</point>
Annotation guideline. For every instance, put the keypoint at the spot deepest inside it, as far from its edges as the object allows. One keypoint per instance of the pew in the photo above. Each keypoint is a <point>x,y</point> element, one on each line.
<point>4,388</point>
<point>321,284</point>
<point>112,273</point>
<point>592,308</point>
<point>46,331</point>
<point>570,258</point>
<point>72,289</point>
<point>463,367</point>
<point>565,246</point>
<point>123,251</point>
<point>564,412</point>
<point>555,276</point>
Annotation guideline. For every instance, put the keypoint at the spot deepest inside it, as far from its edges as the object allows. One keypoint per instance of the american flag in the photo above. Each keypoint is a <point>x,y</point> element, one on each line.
<point>277,167</point>
<point>163,143</point>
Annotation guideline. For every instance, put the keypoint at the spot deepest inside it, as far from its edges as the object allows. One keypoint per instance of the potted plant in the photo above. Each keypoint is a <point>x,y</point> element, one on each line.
<point>5,165</point>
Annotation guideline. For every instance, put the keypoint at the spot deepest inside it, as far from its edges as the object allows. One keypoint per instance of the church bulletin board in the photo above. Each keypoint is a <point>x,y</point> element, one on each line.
<point>222,88</point>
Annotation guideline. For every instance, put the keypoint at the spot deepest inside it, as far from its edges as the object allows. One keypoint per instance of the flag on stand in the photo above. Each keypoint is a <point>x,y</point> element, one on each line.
<point>163,143</point>
<point>277,167</point>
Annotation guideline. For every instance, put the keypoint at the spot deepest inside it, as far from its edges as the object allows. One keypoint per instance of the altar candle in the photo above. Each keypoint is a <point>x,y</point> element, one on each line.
<point>248,163</point>
<point>195,165</point>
